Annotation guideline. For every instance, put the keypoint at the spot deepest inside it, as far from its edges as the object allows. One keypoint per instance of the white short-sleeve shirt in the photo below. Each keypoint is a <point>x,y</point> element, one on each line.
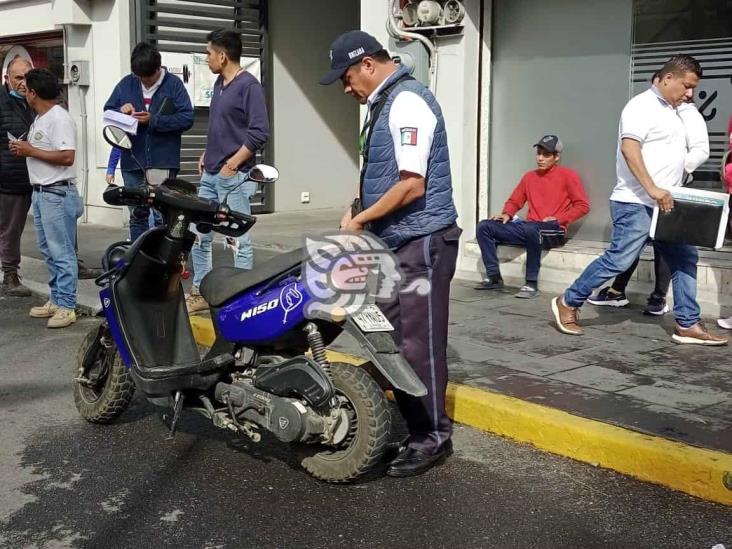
<point>412,126</point>
<point>53,131</point>
<point>656,125</point>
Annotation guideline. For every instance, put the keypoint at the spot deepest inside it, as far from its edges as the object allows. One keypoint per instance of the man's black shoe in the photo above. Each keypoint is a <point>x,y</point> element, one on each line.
<point>393,449</point>
<point>490,283</point>
<point>411,462</point>
<point>87,273</point>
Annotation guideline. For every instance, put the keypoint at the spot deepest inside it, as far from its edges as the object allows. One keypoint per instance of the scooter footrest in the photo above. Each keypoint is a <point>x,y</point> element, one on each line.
<point>218,362</point>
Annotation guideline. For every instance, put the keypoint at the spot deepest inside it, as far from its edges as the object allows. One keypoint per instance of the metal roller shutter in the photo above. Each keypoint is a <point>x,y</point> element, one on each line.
<point>181,26</point>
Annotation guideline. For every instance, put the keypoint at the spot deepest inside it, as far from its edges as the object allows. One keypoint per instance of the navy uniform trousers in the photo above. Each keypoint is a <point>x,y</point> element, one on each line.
<point>420,330</point>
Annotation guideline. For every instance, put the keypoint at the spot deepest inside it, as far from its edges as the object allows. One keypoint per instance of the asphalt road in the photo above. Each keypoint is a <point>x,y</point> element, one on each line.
<point>67,483</point>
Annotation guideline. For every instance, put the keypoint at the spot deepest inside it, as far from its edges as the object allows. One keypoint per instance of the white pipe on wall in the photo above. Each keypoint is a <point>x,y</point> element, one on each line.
<point>392,27</point>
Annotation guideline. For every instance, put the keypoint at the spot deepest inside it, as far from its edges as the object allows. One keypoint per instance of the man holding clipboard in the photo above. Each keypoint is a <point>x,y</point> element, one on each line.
<point>159,102</point>
<point>649,161</point>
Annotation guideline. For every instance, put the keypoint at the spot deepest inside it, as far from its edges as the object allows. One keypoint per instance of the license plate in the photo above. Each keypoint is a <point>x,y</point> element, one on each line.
<point>371,319</point>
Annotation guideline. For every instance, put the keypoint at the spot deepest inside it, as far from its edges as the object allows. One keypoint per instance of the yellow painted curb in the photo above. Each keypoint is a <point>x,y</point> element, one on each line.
<point>703,473</point>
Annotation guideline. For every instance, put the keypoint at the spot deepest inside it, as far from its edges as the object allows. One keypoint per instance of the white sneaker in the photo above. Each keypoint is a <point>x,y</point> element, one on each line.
<point>47,310</point>
<point>725,323</point>
<point>62,318</point>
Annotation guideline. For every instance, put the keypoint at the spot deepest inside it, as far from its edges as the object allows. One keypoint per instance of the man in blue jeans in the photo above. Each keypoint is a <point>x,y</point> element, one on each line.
<point>50,152</point>
<point>237,128</point>
<point>650,159</point>
<point>160,103</point>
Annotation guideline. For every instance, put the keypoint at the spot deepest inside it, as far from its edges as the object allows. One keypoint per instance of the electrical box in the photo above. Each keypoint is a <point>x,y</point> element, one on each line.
<point>414,56</point>
<point>79,73</point>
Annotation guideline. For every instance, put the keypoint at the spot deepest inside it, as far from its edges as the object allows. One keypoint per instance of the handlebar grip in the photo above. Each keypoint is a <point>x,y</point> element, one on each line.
<point>237,223</point>
<point>125,196</point>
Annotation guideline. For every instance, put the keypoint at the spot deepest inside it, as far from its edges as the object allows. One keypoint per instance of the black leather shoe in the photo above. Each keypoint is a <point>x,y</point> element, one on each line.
<point>393,449</point>
<point>87,273</point>
<point>411,462</point>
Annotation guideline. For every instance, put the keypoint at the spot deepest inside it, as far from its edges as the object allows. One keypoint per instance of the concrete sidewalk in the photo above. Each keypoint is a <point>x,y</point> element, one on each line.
<point>624,373</point>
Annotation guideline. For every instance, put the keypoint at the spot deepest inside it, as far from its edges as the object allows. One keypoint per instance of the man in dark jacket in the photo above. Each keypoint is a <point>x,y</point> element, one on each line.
<point>15,189</point>
<point>406,193</point>
<point>160,103</point>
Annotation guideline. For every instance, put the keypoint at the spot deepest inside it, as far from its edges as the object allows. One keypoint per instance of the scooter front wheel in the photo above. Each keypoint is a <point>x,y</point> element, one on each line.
<point>104,389</point>
<point>370,424</point>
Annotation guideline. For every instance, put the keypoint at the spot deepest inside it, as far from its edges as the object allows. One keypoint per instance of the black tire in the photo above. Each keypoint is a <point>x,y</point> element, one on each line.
<point>113,392</point>
<point>370,428</point>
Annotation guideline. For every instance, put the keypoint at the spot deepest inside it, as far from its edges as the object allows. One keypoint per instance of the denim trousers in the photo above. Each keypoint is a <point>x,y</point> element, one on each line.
<point>491,233</point>
<point>237,190</point>
<point>631,225</point>
<point>55,212</point>
<point>139,215</point>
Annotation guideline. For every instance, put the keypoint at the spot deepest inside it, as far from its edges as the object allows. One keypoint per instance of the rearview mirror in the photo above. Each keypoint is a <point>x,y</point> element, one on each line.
<point>262,173</point>
<point>117,137</point>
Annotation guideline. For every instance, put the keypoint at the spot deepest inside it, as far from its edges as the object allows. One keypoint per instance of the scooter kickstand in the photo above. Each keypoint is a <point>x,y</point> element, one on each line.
<point>177,409</point>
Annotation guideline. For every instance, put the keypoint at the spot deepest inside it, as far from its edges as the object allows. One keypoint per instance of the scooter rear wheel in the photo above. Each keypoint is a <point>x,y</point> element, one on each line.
<point>369,429</point>
<point>112,390</point>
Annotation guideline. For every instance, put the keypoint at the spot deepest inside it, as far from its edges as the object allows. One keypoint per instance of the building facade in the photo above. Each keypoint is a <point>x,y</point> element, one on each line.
<point>510,72</point>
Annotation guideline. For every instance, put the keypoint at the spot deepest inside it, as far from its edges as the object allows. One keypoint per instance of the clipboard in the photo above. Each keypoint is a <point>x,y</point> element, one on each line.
<point>699,218</point>
<point>166,107</point>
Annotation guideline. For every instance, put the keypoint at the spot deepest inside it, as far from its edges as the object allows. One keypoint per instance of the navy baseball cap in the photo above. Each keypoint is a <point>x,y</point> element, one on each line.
<point>551,143</point>
<point>348,49</point>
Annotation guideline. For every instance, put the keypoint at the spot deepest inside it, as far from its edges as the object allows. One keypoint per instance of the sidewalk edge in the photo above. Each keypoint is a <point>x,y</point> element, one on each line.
<point>700,472</point>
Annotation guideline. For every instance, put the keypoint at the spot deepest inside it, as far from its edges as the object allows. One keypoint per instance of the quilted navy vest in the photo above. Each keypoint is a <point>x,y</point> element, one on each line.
<point>433,211</point>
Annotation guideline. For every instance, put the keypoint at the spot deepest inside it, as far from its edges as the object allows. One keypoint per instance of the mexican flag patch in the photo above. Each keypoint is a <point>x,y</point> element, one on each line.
<point>409,136</point>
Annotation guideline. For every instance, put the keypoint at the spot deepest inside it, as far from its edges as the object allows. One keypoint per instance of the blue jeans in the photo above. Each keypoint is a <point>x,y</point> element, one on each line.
<point>239,190</point>
<point>139,215</point>
<point>490,233</point>
<point>631,224</point>
<point>55,212</point>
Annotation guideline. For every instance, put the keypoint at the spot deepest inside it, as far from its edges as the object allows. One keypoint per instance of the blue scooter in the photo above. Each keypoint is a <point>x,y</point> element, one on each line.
<point>267,369</point>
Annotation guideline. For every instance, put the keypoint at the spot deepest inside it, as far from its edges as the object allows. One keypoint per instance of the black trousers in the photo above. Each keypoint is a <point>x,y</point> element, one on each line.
<point>13,211</point>
<point>420,323</point>
<point>662,272</point>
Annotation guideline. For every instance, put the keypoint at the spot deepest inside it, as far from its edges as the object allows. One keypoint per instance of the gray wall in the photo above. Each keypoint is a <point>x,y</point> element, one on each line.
<point>560,67</point>
<point>315,128</point>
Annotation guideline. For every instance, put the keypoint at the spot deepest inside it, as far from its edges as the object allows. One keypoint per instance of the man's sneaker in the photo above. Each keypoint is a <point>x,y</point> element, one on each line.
<point>725,323</point>
<point>567,318</point>
<point>697,335</point>
<point>656,306</point>
<point>527,292</point>
<point>609,297</point>
<point>490,283</point>
<point>195,303</point>
<point>12,287</point>
<point>62,318</point>
<point>47,310</point>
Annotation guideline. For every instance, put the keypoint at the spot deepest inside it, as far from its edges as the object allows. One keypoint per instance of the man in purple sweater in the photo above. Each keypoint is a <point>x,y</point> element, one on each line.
<point>237,128</point>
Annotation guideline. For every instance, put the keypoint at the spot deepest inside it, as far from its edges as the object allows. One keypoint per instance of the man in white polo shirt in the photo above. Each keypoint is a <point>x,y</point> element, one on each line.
<point>50,152</point>
<point>650,160</point>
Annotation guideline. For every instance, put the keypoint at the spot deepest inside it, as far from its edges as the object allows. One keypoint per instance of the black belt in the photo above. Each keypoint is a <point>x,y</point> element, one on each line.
<point>41,188</point>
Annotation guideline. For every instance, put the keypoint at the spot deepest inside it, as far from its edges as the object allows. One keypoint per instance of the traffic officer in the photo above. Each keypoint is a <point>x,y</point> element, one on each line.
<point>406,200</point>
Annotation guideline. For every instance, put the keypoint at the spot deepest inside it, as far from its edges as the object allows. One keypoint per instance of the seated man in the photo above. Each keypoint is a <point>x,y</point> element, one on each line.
<point>556,198</point>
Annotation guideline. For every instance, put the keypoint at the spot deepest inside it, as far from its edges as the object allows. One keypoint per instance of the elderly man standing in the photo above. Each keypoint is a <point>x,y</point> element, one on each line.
<point>650,160</point>
<point>15,189</point>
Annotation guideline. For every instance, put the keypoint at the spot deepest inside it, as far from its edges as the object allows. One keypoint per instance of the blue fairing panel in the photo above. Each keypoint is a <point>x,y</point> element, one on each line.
<point>263,315</point>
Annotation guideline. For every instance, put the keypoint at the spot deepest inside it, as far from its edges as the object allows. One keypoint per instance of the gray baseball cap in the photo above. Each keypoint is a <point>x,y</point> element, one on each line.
<point>551,143</point>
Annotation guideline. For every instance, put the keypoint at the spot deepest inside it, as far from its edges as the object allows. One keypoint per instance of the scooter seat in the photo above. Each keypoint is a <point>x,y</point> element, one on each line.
<point>223,283</point>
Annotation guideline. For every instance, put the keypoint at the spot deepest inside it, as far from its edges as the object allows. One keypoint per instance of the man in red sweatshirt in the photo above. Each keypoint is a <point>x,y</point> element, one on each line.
<point>556,198</point>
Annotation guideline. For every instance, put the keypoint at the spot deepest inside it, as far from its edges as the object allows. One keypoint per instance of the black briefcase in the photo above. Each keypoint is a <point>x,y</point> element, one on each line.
<point>699,218</point>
